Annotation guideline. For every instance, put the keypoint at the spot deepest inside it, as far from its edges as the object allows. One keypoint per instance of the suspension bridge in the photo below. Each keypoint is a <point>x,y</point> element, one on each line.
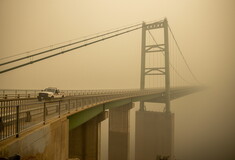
<point>70,127</point>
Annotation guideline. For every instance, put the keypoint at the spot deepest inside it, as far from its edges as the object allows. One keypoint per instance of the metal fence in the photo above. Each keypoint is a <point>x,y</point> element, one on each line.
<point>16,94</point>
<point>15,119</point>
<point>12,94</point>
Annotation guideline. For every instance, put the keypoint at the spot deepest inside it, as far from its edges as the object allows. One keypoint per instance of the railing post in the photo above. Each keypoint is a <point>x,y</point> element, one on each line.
<point>17,120</point>
<point>59,108</point>
<point>76,108</point>
<point>28,116</point>
<point>1,128</point>
<point>44,113</point>
<point>69,107</point>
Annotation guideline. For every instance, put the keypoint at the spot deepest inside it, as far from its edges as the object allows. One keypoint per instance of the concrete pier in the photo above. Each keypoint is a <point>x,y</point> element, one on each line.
<point>84,140</point>
<point>119,134</point>
<point>154,135</point>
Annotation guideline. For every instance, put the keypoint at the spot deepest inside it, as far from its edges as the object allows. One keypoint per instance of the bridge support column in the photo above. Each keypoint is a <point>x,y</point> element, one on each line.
<point>84,140</point>
<point>119,145</point>
<point>154,135</point>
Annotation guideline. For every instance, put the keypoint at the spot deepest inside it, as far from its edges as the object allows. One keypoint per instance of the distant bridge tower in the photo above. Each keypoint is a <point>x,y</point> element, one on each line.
<point>156,49</point>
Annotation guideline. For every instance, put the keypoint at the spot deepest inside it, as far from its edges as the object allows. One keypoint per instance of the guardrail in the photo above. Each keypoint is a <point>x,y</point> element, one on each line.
<point>24,94</point>
<point>15,119</point>
<point>16,94</point>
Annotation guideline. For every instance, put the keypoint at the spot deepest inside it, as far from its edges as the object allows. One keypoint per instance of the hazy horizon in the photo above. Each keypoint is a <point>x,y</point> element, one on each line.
<point>204,122</point>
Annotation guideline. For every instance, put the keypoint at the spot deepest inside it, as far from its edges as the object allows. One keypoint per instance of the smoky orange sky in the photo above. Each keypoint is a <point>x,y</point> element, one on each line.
<point>204,29</point>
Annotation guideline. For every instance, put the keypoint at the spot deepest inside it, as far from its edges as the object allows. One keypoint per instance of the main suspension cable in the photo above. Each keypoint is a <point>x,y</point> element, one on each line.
<point>195,78</point>
<point>68,50</point>
<point>170,63</point>
<point>63,46</point>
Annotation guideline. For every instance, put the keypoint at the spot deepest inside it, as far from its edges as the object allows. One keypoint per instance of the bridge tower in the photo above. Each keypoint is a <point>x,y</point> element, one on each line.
<point>156,49</point>
<point>154,135</point>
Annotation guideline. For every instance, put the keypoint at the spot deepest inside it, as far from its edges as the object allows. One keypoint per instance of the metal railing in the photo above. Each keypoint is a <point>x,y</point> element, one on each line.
<point>15,119</point>
<point>26,94</point>
<point>16,94</point>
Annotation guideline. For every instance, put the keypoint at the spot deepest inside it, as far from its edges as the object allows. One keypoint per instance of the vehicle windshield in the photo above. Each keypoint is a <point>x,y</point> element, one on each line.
<point>49,90</point>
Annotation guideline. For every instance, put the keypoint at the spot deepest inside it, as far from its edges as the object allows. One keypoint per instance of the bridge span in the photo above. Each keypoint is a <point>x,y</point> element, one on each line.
<point>30,111</point>
<point>25,117</point>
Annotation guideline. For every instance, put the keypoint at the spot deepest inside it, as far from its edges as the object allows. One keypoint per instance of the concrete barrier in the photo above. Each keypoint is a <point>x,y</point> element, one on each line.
<point>49,141</point>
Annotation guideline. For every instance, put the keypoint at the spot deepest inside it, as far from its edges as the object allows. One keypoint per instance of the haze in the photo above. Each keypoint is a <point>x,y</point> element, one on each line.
<point>204,122</point>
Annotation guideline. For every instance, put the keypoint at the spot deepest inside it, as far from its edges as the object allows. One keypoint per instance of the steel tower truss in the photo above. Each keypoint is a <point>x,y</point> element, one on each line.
<point>156,71</point>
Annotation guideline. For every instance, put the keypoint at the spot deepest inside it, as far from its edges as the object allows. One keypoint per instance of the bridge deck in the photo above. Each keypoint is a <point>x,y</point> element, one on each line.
<point>78,108</point>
